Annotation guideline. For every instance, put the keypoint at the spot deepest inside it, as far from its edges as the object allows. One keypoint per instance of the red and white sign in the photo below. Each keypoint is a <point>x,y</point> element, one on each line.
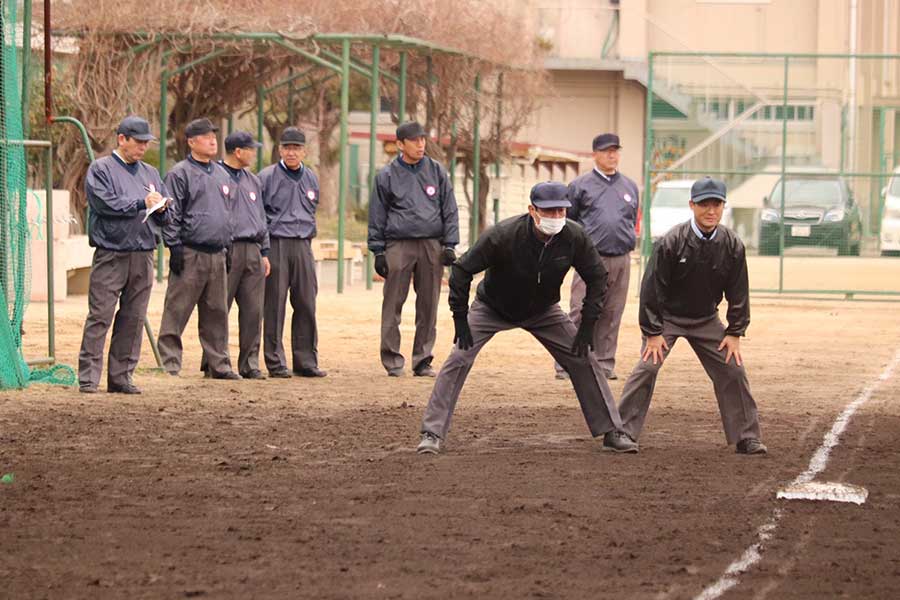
<point>430,190</point>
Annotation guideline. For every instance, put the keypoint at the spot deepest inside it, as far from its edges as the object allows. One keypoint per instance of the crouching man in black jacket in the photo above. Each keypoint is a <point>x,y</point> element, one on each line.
<point>526,259</point>
<point>692,266</point>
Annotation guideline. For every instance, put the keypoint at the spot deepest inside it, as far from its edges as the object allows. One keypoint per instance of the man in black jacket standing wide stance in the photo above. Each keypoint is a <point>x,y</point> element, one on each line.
<point>526,259</point>
<point>692,267</point>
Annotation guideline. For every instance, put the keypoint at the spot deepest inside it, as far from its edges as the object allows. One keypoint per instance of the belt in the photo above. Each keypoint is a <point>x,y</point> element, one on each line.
<point>246,240</point>
<point>205,248</point>
<point>608,255</point>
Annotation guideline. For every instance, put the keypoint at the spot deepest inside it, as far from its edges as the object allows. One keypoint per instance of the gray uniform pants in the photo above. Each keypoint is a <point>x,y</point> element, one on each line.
<point>203,283</point>
<point>606,333</point>
<point>246,284</point>
<point>419,260</point>
<point>125,278</point>
<point>736,405</point>
<point>554,330</point>
<point>294,271</point>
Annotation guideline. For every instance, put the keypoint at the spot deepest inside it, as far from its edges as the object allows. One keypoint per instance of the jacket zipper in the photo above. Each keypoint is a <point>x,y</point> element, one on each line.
<point>541,258</point>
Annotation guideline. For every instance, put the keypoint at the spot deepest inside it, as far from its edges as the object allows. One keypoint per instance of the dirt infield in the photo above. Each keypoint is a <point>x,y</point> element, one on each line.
<point>311,488</point>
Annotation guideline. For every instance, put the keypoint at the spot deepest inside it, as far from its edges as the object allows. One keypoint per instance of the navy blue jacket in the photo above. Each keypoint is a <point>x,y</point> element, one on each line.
<point>290,201</point>
<point>203,196</point>
<point>412,202</point>
<point>115,193</point>
<point>248,215</point>
<point>606,209</point>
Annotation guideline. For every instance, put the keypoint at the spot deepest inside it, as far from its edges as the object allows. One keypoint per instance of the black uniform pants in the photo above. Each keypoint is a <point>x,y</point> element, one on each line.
<point>294,273</point>
<point>246,285</point>
<point>125,278</point>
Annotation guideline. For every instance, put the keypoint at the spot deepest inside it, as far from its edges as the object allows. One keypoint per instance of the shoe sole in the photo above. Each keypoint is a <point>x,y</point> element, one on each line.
<point>427,451</point>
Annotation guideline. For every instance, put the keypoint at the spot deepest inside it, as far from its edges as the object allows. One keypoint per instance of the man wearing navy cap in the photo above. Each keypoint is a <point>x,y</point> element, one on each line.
<point>198,236</point>
<point>120,189</point>
<point>691,268</point>
<point>247,262</point>
<point>605,202</point>
<point>291,197</point>
<point>413,230</point>
<point>526,259</point>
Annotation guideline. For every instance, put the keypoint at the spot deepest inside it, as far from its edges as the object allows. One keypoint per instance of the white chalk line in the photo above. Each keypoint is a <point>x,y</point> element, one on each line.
<point>817,464</point>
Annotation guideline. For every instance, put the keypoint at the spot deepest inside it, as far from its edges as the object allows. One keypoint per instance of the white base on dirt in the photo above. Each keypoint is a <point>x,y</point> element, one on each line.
<point>829,491</point>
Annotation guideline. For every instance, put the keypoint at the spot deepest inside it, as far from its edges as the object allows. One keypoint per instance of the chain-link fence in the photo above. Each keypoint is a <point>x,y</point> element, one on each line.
<point>809,147</point>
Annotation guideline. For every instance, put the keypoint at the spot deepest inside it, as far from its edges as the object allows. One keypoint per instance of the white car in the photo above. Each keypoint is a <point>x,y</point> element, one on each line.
<point>669,207</point>
<point>890,218</point>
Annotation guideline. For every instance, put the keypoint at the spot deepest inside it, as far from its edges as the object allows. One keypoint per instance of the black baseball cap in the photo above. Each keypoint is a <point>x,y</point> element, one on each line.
<point>410,131</point>
<point>707,189</point>
<point>606,140</point>
<point>240,139</point>
<point>550,194</point>
<point>292,135</point>
<point>135,127</point>
<point>199,127</point>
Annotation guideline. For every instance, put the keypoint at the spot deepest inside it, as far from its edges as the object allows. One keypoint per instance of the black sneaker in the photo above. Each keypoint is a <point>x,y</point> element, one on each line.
<point>87,389</point>
<point>254,374</point>
<point>229,375</point>
<point>128,388</point>
<point>751,446</point>
<point>280,374</point>
<point>619,441</point>
<point>611,375</point>
<point>398,372</point>
<point>311,372</point>
<point>424,371</point>
<point>562,375</point>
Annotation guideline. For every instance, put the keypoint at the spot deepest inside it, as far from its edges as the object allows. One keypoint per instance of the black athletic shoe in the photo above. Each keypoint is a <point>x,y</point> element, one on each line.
<point>87,389</point>
<point>254,374</point>
<point>128,388</point>
<point>280,374</point>
<point>229,375</point>
<point>751,446</point>
<point>311,372</point>
<point>395,373</point>
<point>424,371</point>
<point>611,375</point>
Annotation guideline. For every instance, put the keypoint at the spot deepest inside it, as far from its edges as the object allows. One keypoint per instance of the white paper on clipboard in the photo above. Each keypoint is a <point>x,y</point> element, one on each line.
<point>153,209</point>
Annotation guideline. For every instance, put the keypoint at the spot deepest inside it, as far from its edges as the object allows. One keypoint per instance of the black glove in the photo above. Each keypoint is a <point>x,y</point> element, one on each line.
<point>462,335</point>
<point>584,338</point>
<point>381,264</point>
<point>228,252</point>
<point>448,257</point>
<point>176,259</point>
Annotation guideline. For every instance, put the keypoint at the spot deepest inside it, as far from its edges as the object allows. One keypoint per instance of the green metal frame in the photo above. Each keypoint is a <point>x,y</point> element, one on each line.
<point>342,65</point>
<point>649,171</point>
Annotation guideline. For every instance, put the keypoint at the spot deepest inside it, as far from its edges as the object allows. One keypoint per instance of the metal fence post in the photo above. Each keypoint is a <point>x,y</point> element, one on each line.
<point>648,157</point>
<point>342,172</point>
<point>260,121</point>
<point>401,109</point>
<point>51,292</point>
<point>374,110</point>
<point>476,165</point>
<point>784,104</point>
<point>163,133</point>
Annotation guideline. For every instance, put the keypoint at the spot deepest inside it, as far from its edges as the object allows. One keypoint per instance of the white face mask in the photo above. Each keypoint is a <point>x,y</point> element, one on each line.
<point>552,226</point>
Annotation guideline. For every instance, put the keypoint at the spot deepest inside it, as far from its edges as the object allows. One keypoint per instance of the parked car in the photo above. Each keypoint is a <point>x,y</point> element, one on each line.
<point>890,217</point>
<point>818,211</point>
<point>669,207</point>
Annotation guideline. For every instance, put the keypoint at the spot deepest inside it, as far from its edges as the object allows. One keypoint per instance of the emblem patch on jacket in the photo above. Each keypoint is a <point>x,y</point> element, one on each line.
<point>311,194</point>
<point>430,190</point>
<point>225,189</point>
<point>253,196</point>
<point>627,198</point>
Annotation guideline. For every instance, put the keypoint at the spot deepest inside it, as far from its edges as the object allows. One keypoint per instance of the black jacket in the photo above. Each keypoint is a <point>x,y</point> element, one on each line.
<point>412,202</point>
<point>114,191</point>
<point>607,209</point>
<point>291,202</point>
<point>248,217</point>
<point>687,277</point>
<point>203,196</point>
<point>524,274</point>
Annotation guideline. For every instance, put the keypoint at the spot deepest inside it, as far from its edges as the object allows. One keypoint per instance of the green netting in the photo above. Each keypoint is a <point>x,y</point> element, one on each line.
<point>13,221</point>
<point>15,267</point>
